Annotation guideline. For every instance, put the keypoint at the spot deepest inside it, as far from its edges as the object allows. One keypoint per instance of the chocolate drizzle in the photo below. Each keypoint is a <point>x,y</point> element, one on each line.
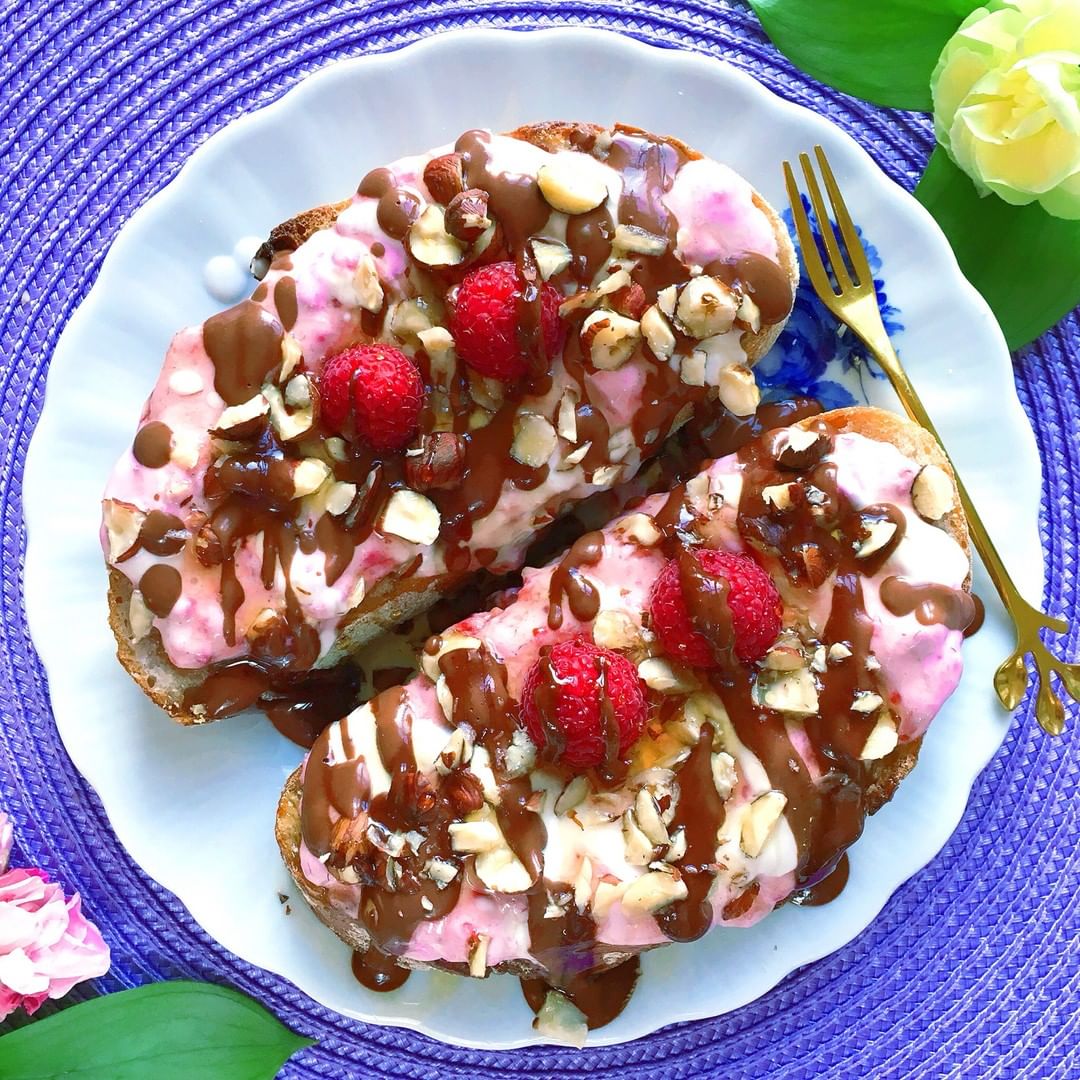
<point>162,534</point>
<point>700,813</point>
<point>706,602</point>
<point>477,684</point>
<point>244,345</point>
<point>398,207</point>
<point>365,835</point>
<point>153,445</point>
<point>932,603</point>
<point>567,581</point>
<point>285,301</point>
<point>821,535</point>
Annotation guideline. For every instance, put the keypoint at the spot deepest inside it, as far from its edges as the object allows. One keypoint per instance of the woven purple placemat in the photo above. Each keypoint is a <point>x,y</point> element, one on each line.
<point>973,968</point>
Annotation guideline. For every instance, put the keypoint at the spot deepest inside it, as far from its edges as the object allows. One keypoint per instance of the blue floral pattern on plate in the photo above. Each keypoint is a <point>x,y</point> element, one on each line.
<point>817,356</point>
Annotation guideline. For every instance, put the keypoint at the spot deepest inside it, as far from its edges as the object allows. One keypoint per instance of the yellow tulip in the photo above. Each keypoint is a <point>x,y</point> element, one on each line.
<point>1007,102</point>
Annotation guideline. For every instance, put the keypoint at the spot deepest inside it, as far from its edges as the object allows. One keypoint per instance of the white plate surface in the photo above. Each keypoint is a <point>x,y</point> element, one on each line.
<point>195,808</point>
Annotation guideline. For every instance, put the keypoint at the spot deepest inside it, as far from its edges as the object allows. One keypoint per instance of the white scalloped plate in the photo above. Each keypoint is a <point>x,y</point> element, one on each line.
<point>195,808</point>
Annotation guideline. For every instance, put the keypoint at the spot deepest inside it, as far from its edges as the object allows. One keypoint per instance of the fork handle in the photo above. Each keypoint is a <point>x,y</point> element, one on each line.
<point>1021,611</point>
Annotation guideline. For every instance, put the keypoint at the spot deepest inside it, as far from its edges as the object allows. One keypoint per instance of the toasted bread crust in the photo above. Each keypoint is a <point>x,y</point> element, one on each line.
<point>886,774</point>
<point>392,601</point>
<point>289,235</point>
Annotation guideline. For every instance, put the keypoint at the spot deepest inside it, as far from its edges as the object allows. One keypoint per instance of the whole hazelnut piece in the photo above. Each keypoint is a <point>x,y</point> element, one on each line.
<point>440,463</point>
<point>444,178</point>
<point>467,216</point>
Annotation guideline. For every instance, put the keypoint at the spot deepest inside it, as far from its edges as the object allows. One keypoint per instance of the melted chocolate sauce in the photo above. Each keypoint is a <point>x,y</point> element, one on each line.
<point>378,972</point>
<point>285,301</point>
<point>707,605</point>
<point>700,812</point>
<point>600,995</point>
<point>828,888</point>
<point>820,534</point>
<point>978,619</point>
<point>396,894</point>
<point>931,603</point>
<point>398,207</point>
<point>162,534</point>
<point>250,492</point>
<point>567,581</point>
<point>244,345</point>
<point>153,445</point>
<point>160,587</point>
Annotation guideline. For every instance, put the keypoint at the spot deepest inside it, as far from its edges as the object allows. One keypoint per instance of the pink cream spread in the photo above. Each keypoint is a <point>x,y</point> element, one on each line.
<point>771,763</point>
<point>247,533</point>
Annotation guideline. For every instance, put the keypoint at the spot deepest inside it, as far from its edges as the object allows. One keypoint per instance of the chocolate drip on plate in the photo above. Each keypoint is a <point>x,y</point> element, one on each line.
<point>600,995</point>
<point>565,944</point>
<point>378,972</point>
<point>828,888</point>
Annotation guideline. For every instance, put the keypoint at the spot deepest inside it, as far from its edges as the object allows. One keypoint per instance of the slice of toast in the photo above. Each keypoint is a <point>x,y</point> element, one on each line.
<point>181,648</point>
<point>932,547</point>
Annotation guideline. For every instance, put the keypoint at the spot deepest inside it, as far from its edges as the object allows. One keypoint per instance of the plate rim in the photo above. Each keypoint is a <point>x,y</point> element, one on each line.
<point>159,204</point>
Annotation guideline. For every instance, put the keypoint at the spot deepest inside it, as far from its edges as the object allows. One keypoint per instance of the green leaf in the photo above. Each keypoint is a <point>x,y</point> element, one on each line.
<point>1024,262</point>
<point>881,50</point>
<point>167,1031</point>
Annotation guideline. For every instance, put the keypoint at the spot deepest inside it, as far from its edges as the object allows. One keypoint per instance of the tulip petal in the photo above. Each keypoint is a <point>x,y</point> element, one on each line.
<point>1064,200</point>
<point>1033,166</point>
<point>1058,28</point>
<point>1048,78</point>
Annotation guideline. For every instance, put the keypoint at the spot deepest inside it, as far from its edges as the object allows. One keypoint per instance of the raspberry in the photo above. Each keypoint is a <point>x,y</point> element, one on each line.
<point>753,601</point>
<point>569,686</point>
<point>374,392</point>
<point>485,325</point>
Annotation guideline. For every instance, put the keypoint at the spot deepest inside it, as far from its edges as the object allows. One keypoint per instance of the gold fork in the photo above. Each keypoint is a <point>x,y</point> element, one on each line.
<point>853,300</point>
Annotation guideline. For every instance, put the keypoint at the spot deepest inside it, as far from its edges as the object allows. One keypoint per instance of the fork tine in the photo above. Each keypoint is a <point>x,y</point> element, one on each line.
<point>855,251</point>
<point>825,226</point>
<point>815,267</point>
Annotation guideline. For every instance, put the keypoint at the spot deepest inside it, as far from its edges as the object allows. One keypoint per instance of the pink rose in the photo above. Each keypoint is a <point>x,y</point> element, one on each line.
<point>46,945</point>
